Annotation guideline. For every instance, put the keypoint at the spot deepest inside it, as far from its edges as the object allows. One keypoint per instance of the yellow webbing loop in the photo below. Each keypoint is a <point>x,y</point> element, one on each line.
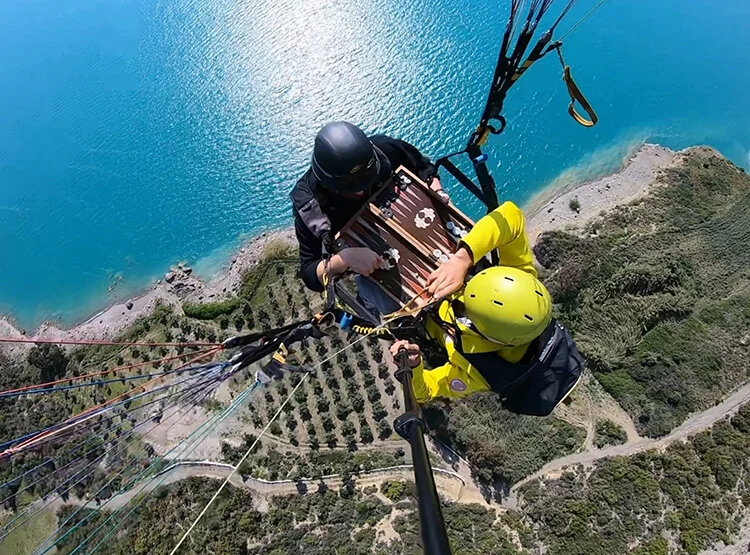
<point>281,354</point>
<point>576,96</point>
<point>483,133</point>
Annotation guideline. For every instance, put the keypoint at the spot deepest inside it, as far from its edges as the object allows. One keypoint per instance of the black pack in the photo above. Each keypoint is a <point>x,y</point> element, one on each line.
<point>538,383</point>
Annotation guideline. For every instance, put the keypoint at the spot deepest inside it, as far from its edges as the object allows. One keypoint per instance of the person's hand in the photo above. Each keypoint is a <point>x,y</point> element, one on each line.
<point>450,276</point>
<point>361,260</point>
<point>415,354</point>
<point>436,186</point>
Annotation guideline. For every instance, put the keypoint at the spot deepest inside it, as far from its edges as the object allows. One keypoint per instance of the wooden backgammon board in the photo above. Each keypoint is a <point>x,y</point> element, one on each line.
<point>411,228</point>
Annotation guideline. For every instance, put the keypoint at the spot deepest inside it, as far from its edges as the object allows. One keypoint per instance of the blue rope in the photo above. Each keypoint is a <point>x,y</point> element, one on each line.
<point>114,528</point>
<point>104,409</point>
<point>89,384</point>
<point>83,443</point>
<point>218,420</point>
<point>5,530</point>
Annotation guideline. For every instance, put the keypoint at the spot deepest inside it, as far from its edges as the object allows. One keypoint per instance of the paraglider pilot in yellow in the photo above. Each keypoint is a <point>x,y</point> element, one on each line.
<point>497,329</point>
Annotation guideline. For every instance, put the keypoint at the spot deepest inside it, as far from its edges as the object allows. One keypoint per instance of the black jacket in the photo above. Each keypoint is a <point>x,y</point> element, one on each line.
<point>340,210</point>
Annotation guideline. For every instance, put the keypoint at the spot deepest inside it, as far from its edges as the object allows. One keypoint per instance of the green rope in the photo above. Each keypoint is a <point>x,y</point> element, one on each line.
<point>212,424</point>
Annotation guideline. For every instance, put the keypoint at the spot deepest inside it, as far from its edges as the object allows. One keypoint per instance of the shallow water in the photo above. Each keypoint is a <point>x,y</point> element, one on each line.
<point>135,134</point>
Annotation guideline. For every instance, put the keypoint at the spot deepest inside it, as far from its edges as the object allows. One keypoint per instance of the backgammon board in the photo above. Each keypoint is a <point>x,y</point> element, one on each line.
<point>407,224</point>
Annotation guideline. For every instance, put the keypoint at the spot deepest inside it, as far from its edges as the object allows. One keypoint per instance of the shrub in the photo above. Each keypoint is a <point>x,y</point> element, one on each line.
<point>348,430</point>
<point>343,410</point>
<point>394,491</point>
<point>655,291</point>
<point>609,433</point>
<point>365,435</point>
<point>210,311</point>
<point>384,429</point>
<point>51,361</point>
<point>501,446</point>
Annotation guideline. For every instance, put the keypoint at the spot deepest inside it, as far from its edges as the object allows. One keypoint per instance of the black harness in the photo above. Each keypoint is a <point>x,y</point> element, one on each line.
<point>536,384</point>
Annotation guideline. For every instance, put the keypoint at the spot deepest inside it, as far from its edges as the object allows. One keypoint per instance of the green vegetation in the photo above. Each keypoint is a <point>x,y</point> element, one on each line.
<point>210,311</point>
<point>680,501</point>
<point>501,446</point>
<point>274,253</point>
<point>657,292</point>
<point>695,492</point>
<point>218,531</point>
<point>26,539</point>
<point>51,361</point>
<point>396,491</point>
<point>86,459</point>
<point>575,204</point>
<point>272,464</point>
<point>345,400</point>
<point>24,415</point>
<point>657,295</point>
<point>213,405</point>
<point>609,433</point>
<point>321,522</point>
<point>472,530</point>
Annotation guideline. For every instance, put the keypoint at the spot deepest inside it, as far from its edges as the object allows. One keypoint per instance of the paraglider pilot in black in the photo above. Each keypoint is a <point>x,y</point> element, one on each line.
<point>347,166</point>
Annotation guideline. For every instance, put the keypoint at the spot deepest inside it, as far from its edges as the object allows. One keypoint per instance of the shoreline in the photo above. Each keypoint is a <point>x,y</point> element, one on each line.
<point>550,209</point>
<point>185,287</point>
<point>547,210</point>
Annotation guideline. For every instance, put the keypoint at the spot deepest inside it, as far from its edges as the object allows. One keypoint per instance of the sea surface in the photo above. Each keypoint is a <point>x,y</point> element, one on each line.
<point>138,133</point>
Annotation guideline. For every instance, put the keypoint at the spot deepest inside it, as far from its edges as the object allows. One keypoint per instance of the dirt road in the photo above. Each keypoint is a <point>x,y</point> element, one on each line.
<point>696,423</point>
<point>449,483</point>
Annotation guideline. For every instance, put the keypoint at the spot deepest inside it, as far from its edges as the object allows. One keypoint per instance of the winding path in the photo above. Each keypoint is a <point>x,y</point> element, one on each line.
<point>450,483</point>
<point>454,485</point>
<point>696,423</point>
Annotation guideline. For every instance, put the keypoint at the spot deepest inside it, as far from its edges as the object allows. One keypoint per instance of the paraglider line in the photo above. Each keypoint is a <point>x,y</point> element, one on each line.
<point>102,373</point>
<point>90,413</point>
<point>6,532</point>
<point>94,438</point>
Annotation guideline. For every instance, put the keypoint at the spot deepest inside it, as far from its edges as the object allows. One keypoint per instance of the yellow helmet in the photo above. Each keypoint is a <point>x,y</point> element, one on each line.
<point>508,305</point>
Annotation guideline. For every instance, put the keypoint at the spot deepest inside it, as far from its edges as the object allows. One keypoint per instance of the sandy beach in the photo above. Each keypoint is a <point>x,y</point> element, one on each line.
<point>551,210</point>
<point>548,210</point>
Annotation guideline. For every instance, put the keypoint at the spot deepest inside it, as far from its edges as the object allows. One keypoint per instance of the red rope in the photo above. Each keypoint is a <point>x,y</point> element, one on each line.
<point>39,437</point>
<point>102,342</point>
<point>104,372</point>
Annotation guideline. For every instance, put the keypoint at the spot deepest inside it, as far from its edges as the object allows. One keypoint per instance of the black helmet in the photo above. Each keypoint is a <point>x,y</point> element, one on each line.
<point>345,160</point>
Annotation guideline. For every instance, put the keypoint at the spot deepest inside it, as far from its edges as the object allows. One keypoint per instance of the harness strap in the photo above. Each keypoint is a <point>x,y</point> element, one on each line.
<point>575,94</point>
<point>460,176</point>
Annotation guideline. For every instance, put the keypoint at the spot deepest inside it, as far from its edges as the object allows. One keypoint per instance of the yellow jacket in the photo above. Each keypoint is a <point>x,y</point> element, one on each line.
<point>503,229</point>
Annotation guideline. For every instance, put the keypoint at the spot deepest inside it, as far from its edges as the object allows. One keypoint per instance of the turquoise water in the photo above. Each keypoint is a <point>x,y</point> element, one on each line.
<point>135,134</point>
